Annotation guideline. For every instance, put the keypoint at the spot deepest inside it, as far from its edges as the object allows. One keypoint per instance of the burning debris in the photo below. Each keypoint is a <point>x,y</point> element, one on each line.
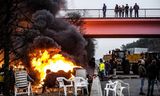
<point>55,34</point>
<point>45,41</point>
<point>43,61</point>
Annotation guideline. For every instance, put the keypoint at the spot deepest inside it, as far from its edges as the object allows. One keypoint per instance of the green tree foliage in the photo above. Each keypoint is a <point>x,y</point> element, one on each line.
<point>153,44</point>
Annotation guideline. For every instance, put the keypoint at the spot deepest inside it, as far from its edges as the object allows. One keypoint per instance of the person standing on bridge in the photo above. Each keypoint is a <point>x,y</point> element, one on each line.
<point>116,10</point>
<point>104,10</point>
<point>131,9</point>
<point>120,11</point>
<point>136,8</point>
<point>126,10</point>
<point>123,9</point>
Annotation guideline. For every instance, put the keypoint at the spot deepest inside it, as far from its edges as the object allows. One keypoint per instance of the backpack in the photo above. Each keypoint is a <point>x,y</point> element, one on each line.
<point>142,71</point>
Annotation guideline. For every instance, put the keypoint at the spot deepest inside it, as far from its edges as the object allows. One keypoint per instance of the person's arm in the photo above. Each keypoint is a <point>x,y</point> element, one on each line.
<point>29,78</point>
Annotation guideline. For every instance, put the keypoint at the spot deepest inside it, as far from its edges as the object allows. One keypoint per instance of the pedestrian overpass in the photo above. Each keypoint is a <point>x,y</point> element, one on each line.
<point>146,25</point>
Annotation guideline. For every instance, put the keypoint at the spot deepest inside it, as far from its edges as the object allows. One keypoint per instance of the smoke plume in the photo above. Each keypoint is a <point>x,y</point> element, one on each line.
<point>51,5</point>
<point>46,31</point>
<point>59,31</point>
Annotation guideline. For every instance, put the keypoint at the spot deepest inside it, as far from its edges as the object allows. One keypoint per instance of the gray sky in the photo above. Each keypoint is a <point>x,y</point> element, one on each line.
<point>97,4</point>
<point>106,44</point>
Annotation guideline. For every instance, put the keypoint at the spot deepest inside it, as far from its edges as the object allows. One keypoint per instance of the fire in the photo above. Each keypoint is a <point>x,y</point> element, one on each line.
<point>55,62</point>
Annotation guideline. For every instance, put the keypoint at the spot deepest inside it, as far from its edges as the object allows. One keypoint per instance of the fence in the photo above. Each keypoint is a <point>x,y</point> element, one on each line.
<point>97,13</point>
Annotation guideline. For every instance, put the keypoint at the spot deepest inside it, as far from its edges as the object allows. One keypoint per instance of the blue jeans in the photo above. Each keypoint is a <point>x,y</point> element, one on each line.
<point>142,84</point>
<point>150,87</point>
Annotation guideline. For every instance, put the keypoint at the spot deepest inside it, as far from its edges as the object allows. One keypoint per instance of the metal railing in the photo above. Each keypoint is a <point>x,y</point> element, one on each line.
<point>97,13</point>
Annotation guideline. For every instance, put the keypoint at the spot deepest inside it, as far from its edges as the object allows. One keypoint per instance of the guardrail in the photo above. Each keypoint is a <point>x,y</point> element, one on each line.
<point>97,13</point>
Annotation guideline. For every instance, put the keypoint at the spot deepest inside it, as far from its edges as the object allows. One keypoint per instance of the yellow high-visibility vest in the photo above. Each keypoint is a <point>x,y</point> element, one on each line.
<point>2,77</point>
<point>101,66</point>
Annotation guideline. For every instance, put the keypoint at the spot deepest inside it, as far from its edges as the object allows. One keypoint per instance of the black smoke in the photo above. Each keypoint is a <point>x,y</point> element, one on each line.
<point>60,32</point>
<point>48,31</point>
<point>51,5</point>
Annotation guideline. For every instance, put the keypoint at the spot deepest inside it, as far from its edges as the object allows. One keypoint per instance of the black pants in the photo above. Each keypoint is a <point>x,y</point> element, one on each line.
<point>104,14</point>
<point>1,87</point>
<point>136,14</point>
<point>150,87</point>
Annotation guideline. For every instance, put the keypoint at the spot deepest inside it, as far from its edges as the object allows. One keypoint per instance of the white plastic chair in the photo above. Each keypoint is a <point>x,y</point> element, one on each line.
<point>111,86</point>
<point>116,87</point>
<point>22,85</point>
<point>61,81</point>
<point>79,83</point>
<point>81,73</point>
<point>124,85</point>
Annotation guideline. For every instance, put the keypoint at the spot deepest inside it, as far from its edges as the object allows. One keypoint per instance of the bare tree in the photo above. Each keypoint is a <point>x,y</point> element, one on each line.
<point>75,19</point>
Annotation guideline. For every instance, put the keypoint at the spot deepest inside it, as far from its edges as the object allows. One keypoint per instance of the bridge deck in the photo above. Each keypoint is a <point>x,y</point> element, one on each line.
<point>123,19</point>
<point>122,27</point>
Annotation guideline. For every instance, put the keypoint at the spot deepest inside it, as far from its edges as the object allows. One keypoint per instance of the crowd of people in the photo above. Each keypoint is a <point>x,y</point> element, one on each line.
<point>123,11</point>
<point>148,68</point>
<point>109,67</point>
<point>106,68</point>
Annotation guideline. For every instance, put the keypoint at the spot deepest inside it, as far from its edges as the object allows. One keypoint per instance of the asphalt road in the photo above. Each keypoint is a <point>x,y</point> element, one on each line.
<point>134,87</point>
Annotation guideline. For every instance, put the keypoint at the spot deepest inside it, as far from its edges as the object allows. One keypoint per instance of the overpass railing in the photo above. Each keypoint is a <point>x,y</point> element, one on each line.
<point>97,13</point>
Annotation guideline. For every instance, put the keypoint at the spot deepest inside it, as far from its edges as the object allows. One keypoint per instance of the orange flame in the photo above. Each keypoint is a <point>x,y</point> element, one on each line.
<point>56,62</point>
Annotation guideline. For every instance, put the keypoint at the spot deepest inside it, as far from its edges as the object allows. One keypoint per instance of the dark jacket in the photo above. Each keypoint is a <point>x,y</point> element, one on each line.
<point>104,8</point>
<point>12,77</point>
<point>50,80</point>
<point>116,8</point>
<point>142,71</point>
<point>152,71</point>
<point>136,7</point>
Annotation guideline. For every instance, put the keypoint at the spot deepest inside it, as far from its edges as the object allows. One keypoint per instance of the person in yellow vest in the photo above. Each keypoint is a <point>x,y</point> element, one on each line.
<point>101,69</point>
